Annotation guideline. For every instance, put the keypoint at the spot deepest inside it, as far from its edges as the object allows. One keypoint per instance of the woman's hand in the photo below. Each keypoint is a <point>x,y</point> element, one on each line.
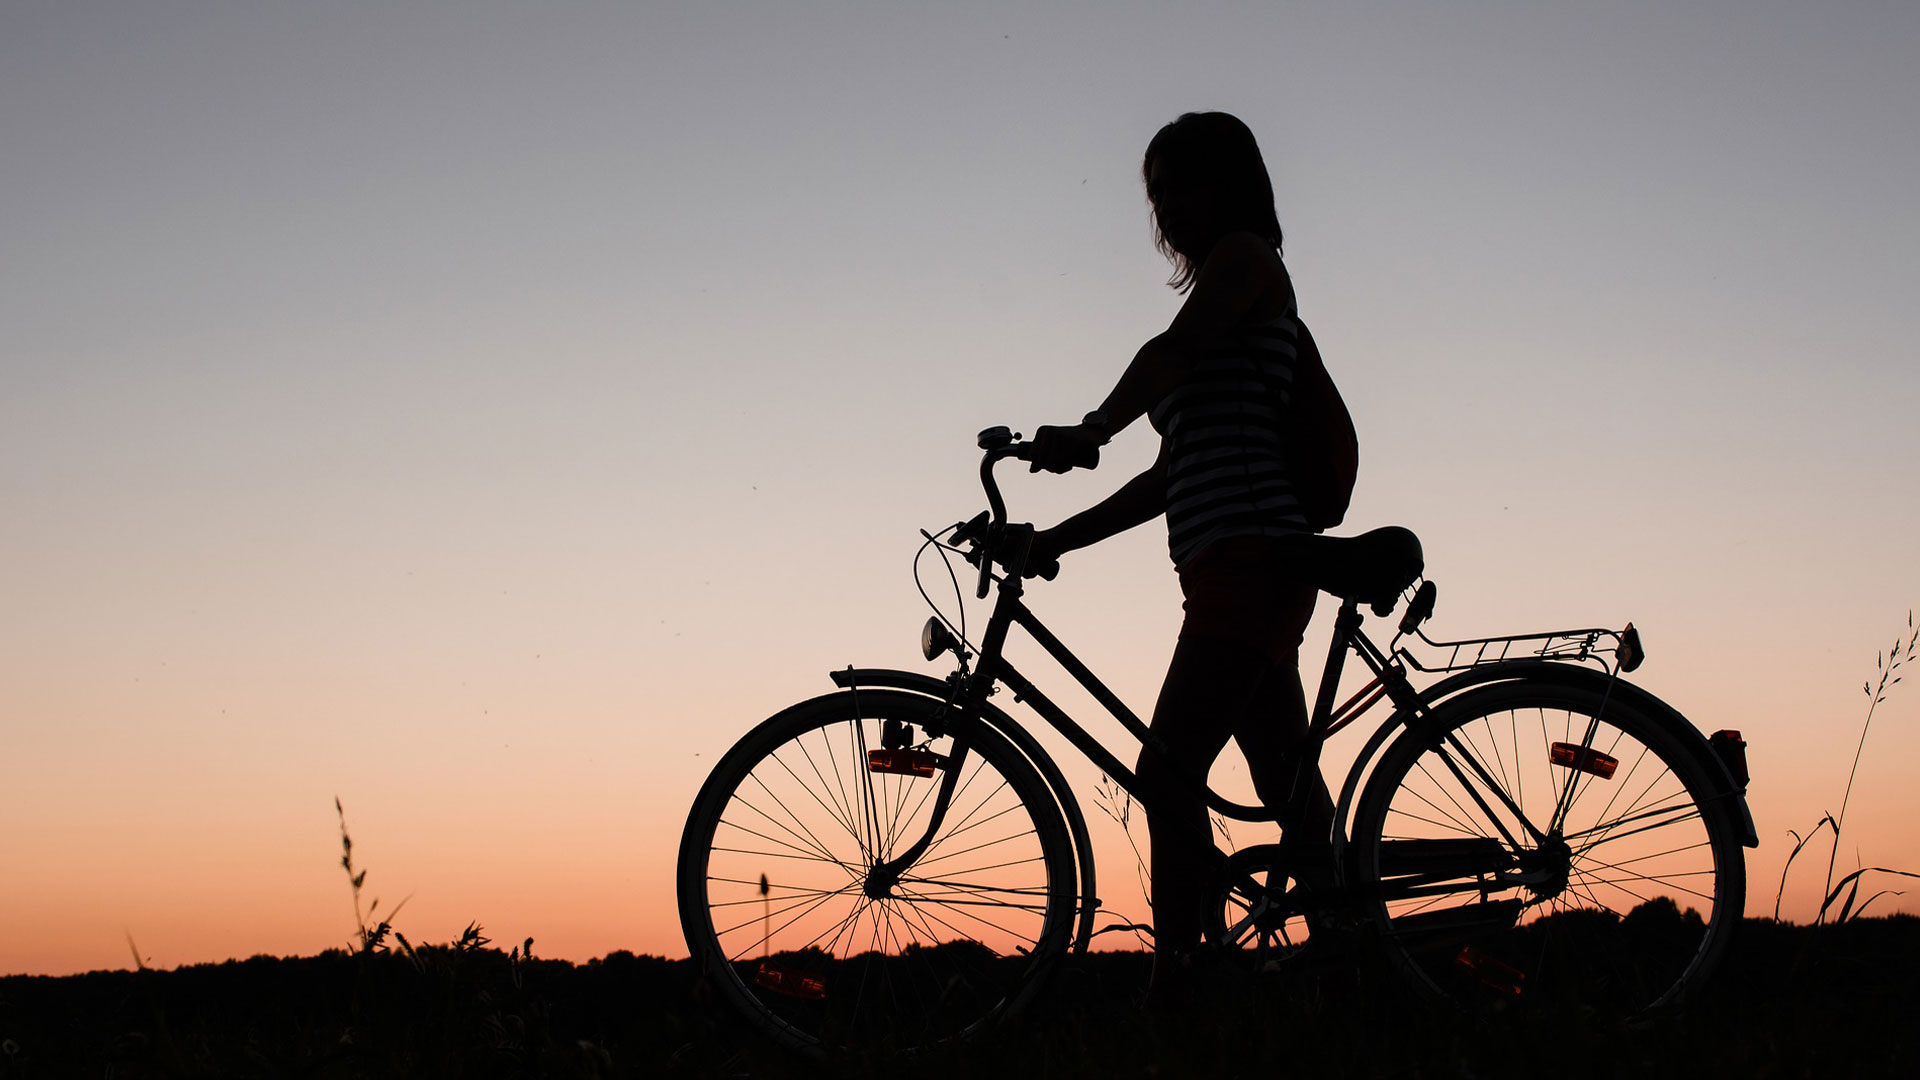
<point>1043,553</point>
<point>1058,449</point>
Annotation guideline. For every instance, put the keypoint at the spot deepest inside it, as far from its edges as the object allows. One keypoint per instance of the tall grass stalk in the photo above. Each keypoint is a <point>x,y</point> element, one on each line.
<point>1888,664</point>
<point>367,938</point>
<point>1117,803</point>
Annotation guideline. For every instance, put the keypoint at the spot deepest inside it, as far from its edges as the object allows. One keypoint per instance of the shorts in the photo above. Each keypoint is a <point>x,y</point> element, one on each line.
<point>1236,590</point>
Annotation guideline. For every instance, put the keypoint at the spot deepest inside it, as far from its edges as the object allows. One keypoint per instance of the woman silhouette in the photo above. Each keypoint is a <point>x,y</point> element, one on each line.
<point>1215,387</point>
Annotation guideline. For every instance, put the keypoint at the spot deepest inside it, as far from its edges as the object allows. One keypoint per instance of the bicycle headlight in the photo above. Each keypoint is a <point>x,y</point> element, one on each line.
<point>935,639</point>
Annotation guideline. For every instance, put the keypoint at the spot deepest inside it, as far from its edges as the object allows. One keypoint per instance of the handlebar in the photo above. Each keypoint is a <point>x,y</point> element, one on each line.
<point>997,540</point>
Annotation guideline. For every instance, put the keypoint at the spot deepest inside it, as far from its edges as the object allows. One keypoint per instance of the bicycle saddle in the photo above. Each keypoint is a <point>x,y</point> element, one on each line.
<point>1373,568</point>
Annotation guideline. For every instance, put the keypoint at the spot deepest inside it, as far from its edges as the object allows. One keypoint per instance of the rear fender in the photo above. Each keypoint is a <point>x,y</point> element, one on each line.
<point>928,686</point>
<point>1590,679</point>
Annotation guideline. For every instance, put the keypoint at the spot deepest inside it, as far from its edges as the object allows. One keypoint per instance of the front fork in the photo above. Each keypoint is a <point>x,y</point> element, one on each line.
<point>884,875</point>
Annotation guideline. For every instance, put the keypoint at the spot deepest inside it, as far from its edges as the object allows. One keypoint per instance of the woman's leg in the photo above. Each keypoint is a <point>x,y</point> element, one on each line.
<point>1209,686</point>
<point>1270,735</point>
<point>1273,727</point>
<point>1235,672</point>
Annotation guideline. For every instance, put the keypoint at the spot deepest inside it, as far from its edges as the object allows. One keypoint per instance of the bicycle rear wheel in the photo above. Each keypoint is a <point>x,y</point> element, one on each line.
<point>864,871</point>
<point>1532,842</point>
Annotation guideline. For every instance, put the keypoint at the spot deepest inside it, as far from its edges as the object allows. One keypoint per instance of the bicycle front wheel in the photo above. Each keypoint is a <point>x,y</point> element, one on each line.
<point>865,871</point>
<point>1533,842</point>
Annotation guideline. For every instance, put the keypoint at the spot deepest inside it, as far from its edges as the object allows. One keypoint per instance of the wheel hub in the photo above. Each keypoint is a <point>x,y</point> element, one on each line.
<point>880,882</point>
<point>1552,867</point>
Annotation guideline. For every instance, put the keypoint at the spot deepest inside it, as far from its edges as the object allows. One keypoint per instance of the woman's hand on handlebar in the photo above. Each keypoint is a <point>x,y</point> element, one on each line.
<point>1043,554</point>
<point>1060,448</point>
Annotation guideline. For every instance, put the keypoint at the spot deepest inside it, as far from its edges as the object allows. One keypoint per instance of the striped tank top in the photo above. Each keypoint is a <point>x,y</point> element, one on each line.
<point>1220,429</point>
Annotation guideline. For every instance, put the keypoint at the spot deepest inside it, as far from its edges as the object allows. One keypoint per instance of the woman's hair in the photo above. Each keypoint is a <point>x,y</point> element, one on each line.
<point>1214,148</point>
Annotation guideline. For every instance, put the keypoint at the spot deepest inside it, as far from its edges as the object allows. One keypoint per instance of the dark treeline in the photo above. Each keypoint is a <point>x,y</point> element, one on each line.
<point>1791,1001</point>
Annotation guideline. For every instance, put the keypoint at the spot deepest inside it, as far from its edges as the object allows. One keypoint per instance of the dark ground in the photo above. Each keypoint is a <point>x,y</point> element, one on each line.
<point>1791,1001</point>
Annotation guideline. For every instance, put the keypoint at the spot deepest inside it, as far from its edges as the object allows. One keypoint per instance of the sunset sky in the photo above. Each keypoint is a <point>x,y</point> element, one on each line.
<point>485,413</point>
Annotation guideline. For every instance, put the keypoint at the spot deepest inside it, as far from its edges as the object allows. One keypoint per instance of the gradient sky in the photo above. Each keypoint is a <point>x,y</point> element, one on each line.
<point>486,413</point>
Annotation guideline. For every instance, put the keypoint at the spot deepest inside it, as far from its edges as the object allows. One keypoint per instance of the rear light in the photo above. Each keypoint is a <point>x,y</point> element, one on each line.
<point>906,762</point>
<point>1733,754</point>
<point>1588,761</point>
<point>791,983</point>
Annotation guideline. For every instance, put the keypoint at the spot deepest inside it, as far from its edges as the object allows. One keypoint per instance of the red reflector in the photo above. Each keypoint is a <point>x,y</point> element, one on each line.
<point>1492,972</point>
<point>905,762</point>
<point>1590,761</point>
<point>790,983</point>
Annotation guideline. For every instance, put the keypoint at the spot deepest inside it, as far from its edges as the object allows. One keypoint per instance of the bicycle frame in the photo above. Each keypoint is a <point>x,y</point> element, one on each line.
<point>968,691</point>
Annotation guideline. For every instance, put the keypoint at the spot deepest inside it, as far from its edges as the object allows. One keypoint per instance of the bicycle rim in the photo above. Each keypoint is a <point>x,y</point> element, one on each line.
<point>1533,844</point>
<point>777,876</point>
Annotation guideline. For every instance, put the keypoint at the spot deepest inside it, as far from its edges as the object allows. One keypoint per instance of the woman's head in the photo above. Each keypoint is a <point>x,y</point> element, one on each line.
<point>1205,179</point>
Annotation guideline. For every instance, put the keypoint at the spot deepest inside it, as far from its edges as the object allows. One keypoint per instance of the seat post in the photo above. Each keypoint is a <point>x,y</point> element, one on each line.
<point>1306,768</point>
<point>1343,627</point>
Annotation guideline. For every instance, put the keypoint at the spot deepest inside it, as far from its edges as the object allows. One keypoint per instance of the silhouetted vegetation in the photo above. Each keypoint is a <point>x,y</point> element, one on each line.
<point>1888,665</point>
<point>1791,1001</point>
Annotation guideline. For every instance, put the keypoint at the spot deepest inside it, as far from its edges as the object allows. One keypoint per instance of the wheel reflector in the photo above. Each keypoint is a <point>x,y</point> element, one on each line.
<point>1587,761</point>
<point>904,762</point>
<point>1492,972</point>
<point>791,983</point>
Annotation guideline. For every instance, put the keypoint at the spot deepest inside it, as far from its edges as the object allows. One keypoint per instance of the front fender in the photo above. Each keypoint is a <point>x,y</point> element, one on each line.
<point>927,685</point>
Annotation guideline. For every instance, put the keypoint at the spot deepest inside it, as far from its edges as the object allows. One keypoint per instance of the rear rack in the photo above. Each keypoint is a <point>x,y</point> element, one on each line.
<point>1605,649</point>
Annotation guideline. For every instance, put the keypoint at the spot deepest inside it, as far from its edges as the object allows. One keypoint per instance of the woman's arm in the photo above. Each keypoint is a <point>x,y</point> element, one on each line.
<point>1138,501</point>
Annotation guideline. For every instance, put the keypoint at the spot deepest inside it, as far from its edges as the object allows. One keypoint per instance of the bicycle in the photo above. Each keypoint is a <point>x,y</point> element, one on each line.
<point>900,864</point>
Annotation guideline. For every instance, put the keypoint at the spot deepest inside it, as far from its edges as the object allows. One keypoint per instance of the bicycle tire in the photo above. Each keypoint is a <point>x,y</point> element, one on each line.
<point>1479,910</point>
<point>805,953</point>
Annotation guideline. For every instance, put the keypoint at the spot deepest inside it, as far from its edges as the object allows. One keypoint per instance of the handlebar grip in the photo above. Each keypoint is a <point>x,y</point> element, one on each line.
<point>1078,455</point>
<point>1045,571</point>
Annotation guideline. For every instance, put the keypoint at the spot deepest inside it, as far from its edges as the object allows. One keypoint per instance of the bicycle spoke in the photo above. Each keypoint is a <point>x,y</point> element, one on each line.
<point>1633,807</point>
<point>1589,873</point>
<point>1588,881</point>
<point>1674,815</point>
<point>950,906</point>
<point>963,825</point>
<point>952,884</point>
<point>810,854</point>
<point>976,847</point>
<point>842,822</point>
<point>788,892</point>
<point>768,936</point>
<point>1486,781</point>
<point>1461,823</point>
<point>809,903</point>
<point>1658,855</point>
<point>805,836</point>
<point>845,801</point>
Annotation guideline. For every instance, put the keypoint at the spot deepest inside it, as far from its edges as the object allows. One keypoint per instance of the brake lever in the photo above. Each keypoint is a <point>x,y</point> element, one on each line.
<point>974,530</point>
